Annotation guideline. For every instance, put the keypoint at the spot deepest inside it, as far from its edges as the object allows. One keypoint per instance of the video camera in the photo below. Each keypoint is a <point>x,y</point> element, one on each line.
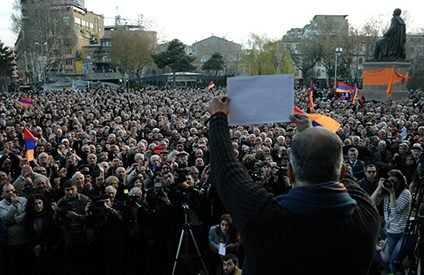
<point>96,211</point>
<point>181,174</point>
<point>65,207</point>
<point>257,175</point>
<point>98,203</point>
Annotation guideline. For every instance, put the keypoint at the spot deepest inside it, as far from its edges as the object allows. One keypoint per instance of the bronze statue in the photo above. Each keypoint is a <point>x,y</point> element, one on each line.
<point>392,45</point>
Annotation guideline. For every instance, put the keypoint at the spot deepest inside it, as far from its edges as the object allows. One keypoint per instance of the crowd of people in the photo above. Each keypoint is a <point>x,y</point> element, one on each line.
<point>117,173</point>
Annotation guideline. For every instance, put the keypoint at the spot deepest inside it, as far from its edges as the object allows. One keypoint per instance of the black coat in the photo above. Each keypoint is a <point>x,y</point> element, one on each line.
<point>42,229</point>
<point>277,241</point>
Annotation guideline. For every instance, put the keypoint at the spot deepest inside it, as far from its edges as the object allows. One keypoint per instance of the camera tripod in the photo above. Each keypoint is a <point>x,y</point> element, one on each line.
<point>413,242</point>
<point>186,231</point>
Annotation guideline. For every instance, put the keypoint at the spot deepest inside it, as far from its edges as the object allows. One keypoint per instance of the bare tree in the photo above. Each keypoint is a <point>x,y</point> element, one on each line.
<point>131,50</point>
<point>6,66</point>
<point>45,32</point>
<point>329,34</point>
<point>306,54</point>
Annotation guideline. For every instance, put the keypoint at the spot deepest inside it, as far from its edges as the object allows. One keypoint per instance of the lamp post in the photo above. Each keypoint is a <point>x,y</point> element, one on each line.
<point>278,56</point>
<point>42,59</point>
<point>356,67</point>
<point>337,52</point>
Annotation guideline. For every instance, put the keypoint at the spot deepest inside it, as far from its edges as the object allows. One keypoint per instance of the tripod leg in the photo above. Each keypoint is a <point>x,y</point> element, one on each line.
<point>198,251</point>
<point>178,252</point>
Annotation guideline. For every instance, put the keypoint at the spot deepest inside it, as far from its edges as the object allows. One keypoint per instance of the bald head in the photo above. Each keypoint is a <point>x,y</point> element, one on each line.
<point>316,156</point>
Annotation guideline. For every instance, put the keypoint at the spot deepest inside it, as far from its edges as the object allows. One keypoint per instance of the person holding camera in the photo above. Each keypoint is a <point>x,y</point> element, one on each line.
<point>109,236</point>
<point>159,219</point>
<point>71,213</point>
<point>396,198</point>
<point>278,183</point>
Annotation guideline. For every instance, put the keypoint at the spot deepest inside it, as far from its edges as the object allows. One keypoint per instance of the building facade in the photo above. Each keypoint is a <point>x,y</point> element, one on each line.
<point>204,49</point>
<point>331,32</point>
<point>53,34</point>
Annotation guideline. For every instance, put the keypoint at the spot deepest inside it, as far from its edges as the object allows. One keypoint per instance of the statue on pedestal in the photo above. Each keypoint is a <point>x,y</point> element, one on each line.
<point>392,46</point>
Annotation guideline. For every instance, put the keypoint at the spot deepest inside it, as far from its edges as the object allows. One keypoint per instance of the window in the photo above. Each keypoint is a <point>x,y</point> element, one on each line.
<point>106,44</point>
<point>66,20</point>
<point>318,73</point>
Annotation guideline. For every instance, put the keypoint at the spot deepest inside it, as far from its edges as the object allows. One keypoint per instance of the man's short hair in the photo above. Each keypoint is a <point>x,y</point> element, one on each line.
<point>316,156</point>
<point>230,257</point>
<point>353,150</point>
<point>69,183</point>
<point>370,165</point>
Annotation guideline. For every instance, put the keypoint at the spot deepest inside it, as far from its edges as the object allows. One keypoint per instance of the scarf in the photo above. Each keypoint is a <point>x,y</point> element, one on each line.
<point>324,199</point>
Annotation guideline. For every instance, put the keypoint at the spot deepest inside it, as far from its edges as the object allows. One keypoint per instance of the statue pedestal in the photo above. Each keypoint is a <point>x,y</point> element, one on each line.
<point>379,92</point>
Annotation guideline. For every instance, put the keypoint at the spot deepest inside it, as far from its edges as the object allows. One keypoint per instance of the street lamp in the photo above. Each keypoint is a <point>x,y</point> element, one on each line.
<point>42,59</point>
<point>338,51</point>
<point>278,56</point>
<point>356,67</point>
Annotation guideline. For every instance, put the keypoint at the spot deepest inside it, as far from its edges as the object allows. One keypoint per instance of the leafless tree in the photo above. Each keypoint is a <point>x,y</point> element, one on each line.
<point>131,50</point>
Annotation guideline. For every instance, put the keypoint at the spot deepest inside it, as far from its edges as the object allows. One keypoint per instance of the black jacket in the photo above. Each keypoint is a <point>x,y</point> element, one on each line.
<point>277,241</point>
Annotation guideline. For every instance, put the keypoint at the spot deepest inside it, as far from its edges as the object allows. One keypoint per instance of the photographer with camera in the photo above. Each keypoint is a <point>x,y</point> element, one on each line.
<point>109,238</point>
<point>396,198</point>
<point>70,211</point>
<point>279,182</point>
<point>159,221</point>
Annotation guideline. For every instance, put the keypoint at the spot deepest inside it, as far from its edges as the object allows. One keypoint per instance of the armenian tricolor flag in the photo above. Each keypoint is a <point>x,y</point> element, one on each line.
<point>30,142</point>
<point>211,85</point>
<point>320,120</point>
<point>26,102</point>
<point>355,92</point>
<point>343,87</point>
<point>311,96</point>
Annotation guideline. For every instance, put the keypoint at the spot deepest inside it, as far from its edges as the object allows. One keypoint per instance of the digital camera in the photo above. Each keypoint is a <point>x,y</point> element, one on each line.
<point>388,184</point>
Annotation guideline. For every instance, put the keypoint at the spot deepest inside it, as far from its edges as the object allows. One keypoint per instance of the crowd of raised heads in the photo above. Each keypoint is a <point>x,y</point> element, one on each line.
<point>143,156</point>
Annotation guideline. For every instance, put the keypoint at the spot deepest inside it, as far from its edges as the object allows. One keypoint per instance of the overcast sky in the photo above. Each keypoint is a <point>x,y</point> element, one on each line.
<point>194,20</point>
